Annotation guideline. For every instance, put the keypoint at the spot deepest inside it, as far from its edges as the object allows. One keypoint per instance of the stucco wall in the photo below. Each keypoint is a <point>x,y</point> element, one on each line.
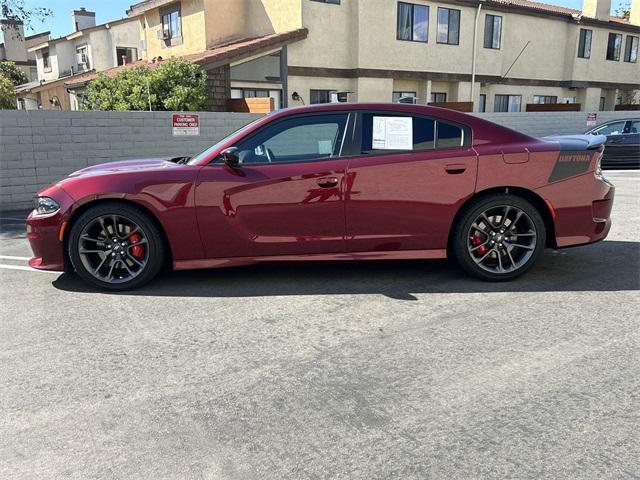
<point>366,32</point>
<point>194,35</point>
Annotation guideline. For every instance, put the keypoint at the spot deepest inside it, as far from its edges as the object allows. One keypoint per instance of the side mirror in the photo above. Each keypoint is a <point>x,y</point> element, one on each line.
<point>230,157</point>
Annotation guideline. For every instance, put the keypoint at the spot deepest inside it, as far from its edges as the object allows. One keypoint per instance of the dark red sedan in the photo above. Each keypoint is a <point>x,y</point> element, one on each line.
<point>330,182</point>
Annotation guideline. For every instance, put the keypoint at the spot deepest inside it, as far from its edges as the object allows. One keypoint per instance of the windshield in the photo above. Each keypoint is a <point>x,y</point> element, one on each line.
<point>196,158</point>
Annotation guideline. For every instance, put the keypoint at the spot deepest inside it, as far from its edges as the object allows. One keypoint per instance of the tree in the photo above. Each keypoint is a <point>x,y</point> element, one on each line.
<point>13,12</point>
<point>7,94</point>
<point>13,73</point>
<point>624,11</point>
<point>174,84</point>
<point>628,97</point>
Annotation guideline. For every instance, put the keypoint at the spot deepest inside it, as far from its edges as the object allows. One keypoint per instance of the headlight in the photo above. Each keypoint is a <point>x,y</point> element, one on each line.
<point>45,205</point>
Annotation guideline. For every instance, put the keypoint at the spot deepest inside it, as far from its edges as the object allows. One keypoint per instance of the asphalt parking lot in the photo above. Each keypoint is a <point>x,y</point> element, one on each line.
<point>395,370</point>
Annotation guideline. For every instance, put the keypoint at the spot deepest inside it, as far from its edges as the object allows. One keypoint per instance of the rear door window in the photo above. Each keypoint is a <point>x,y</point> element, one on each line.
<point>389,132</point>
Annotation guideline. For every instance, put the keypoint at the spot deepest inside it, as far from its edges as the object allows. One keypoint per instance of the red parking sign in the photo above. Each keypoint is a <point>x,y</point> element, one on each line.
<point>592,118</point>
<point>185,124</point>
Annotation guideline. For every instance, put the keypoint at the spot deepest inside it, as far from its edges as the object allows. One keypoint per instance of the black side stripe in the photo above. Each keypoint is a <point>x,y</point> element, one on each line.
<point>571,163</point>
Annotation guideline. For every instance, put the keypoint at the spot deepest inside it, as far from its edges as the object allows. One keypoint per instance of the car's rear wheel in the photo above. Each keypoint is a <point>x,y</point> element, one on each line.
<point>115,246</point>
<point>499,238</point>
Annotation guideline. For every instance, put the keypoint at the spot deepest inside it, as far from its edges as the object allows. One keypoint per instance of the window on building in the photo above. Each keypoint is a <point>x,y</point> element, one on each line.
<point>584,44</point>
<point>492,31</point>
<point>404,97</point>
<point>448,26</point>
<point>127,54</point>
<point>259,93</point>
<point>82,57</point>
<point>438,97</point>
<point>326,96</point>
<point>45,59</point>
<point>507,103</point>
<point>601,105</point>
<point>545,99</point>
<point>171,23</point>
<point>296,139</point>
<point>267,68</point>
<point>631,49</point>
<point>613,46</point>
<point>413,22</point>
<point>482,107</point>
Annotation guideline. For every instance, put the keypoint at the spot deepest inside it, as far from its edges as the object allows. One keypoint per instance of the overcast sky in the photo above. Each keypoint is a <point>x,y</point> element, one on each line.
<point>106,10</point>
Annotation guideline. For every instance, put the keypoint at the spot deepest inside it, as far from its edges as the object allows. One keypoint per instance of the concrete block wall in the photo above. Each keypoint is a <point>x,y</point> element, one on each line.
<point>540,124</point>
<point>38,147</point>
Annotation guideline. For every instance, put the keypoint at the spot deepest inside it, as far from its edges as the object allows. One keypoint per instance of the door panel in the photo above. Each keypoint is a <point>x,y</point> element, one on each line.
<point>622,151</point>
<point>286,195</point>
<point>274,209</point>
<point>406,201</point>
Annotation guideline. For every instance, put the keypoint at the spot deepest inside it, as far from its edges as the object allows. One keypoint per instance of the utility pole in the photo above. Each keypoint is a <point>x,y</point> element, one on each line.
<point>475,49</point>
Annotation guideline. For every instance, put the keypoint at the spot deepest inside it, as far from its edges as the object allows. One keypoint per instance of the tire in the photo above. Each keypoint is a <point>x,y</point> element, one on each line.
<point>115,246</point>
<point>493,252</point>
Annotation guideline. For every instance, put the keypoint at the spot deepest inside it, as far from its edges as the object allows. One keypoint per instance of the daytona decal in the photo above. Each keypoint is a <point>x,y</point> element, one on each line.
<point>570,164</point>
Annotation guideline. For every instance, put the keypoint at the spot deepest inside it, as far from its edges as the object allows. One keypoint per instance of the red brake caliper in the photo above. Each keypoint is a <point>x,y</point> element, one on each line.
<point>138,250</point>
<point>477,240</point>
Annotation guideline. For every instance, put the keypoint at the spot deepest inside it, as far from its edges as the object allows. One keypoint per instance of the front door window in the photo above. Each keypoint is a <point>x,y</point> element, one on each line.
<point>298,139</point>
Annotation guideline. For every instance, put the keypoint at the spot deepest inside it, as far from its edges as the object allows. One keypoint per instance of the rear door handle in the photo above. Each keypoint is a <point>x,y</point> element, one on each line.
<point>327,182</point>
<point>455,168</point>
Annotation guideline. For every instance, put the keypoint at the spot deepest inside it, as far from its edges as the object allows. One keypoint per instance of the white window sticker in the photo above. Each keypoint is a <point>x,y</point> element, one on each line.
<point>392,133</point>
<point>325,147</point>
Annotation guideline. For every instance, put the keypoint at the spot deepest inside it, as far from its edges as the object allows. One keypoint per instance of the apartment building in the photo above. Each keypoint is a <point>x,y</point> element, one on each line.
<point>15,45</point>
<point>525,52</point>
<point>502,55</point>
<point>89,48</point>
<point>253,61</point>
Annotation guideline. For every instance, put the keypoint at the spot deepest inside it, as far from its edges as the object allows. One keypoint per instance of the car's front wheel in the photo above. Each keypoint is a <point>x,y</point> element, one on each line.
<point>115,246</point>
<point>499,238</point>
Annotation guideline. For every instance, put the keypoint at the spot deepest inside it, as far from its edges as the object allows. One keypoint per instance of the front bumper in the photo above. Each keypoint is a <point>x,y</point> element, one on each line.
<point>46,233</point>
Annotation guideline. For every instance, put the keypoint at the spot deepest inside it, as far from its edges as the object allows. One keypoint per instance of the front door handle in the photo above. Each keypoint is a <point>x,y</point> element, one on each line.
<point>455,168</point>
<point>327,182</point>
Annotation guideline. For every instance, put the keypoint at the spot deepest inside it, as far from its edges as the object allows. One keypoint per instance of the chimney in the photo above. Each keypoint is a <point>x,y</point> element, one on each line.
<point>82,19</point>
<point>634,17</point>
<point>14,47</point>
<point>599,9</point>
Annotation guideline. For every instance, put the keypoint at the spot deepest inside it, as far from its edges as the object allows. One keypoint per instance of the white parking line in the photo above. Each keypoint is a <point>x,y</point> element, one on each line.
<point>9,257</point>
<point>27,269</point>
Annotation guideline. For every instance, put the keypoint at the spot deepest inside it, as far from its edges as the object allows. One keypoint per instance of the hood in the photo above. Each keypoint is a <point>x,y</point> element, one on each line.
<point>126,166</point>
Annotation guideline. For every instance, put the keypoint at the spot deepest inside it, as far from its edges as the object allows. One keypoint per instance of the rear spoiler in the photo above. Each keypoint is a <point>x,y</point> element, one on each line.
<point>577,142</point>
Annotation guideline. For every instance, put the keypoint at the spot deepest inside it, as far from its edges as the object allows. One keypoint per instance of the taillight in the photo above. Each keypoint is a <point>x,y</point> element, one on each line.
<point>598,170</point>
